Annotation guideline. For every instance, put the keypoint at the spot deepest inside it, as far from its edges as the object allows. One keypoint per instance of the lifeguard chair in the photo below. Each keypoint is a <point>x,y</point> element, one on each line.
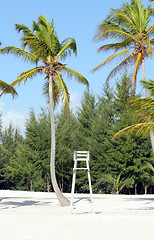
<point>81,156</point>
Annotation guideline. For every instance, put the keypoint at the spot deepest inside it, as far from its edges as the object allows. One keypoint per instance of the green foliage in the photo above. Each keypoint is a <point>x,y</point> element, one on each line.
<point>9,143</point>
<point>7,89</point>
<point>38,141</point>
<point>132,37</point>
<point>116,165</point>
<point>85,117</point>
<point>45,50</point>
<point>143,108</point>
<point>101,139</point>
<point>66,145</point>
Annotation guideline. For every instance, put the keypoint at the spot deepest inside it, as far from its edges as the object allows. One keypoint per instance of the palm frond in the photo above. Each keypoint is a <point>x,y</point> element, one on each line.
<point>130,26</point>
<point>7,89</point>
<point>26,31</point>
<point>67,47</point>
<point>149,29</point>
<point>56,91</point>
<point>150,86</point>
<point>123,19</point>
<point>139,129</point>
<point>143,107</point>
<point>152,41</point>
<point>27,56</point>
<point>29,39</point>
<point>63,91</point>
<point>72,73</point>
<point>149,49</point>
<point>138,63</point>
<point>126,62</point>
<point>42,44</point>
<point>114,33</point>
<point>23,77</point>
<point>115,46</point>
<point>147,166</point>
<point>109,59</point>
<point>46,34</point>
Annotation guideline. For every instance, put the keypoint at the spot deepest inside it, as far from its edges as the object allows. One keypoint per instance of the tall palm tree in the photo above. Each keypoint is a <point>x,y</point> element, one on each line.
<point>6,88</point>
<point>130,26</point>
<point>45,49</point>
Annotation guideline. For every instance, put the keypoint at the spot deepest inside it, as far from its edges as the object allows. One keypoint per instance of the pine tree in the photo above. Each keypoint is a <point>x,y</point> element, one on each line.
<point>38,141</point>
<point>85,117</point>
<point>10,139</point>
<point>66,145</point>
<point>101,141</point>
<point>130,152</point>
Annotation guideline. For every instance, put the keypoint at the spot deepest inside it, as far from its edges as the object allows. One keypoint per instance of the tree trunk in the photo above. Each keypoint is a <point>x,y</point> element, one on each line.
<point>31,184</point>
<point>48,188</point>
<point>147,95</point>
<point>145,189</point>
<point>144,77</point>
<point>135,188</point>
<point>62,199</point>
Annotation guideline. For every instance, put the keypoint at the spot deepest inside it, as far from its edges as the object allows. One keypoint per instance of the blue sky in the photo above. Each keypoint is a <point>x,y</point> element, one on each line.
<point>76,19</point>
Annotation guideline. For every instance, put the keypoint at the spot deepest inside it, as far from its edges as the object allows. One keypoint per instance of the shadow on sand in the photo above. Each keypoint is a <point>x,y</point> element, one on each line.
<point>16,202</point>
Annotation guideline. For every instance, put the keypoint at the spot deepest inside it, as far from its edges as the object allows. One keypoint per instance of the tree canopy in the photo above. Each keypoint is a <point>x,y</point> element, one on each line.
<point>130,26</point>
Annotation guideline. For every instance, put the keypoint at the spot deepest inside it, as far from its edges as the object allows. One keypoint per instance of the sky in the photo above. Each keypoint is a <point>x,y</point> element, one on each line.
<point>75,19</point>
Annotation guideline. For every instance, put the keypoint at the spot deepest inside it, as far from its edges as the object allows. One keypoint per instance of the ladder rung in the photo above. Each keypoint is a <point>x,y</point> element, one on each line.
<point>80,169</point>
<point>81,159</point>
<point>81,151</point>
<point>83,155</point>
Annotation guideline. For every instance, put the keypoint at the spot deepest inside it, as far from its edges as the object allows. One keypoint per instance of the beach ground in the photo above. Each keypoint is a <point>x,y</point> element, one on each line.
<point>38,216</point>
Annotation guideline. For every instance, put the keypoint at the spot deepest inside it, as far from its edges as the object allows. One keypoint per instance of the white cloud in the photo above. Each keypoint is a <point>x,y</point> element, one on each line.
<point>13,116</point>
<point>75,99</point>
<point>17,119</point>
<point>2,104</point>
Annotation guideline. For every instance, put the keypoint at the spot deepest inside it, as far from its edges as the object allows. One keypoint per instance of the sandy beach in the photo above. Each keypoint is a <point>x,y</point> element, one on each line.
<point>38,216</point>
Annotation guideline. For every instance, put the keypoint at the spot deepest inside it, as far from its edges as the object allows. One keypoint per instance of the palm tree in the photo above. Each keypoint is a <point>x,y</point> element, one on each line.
<point>6,88</point>
<point>117,182</point>
<point>149,166</point>
<point>129,25</point>
<point>148,183</point>
<point>45,49</point>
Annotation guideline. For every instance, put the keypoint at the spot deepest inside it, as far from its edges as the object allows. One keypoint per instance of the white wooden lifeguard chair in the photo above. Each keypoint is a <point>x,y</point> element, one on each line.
<point>81,156</point>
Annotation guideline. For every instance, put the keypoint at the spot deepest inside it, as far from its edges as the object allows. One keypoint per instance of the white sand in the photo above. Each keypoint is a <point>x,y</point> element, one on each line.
<point>38,216</point>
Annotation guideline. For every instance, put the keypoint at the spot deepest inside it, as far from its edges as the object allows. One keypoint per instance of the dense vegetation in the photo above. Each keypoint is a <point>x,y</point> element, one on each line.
<point>116,164</point>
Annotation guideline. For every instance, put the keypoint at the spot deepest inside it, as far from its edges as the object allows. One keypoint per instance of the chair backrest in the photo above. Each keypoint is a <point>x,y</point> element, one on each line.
<point>81,156</point>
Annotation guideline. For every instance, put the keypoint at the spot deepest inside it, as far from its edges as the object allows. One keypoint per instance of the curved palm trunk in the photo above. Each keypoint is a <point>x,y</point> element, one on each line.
<point>63,201</point>
<point>144,77</point>
<point>147,95</point>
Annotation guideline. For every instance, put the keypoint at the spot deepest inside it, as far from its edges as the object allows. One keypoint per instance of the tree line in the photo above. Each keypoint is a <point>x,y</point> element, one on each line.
<point>117,165</point>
